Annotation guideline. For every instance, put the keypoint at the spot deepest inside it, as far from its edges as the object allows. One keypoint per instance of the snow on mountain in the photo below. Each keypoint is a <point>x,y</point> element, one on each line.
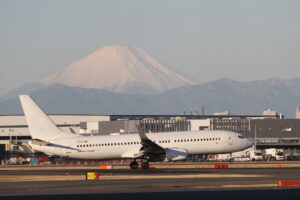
<point>120,69</point>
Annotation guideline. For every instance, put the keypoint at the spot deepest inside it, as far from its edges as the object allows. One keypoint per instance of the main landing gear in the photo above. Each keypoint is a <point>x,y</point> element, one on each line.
<point>134,164</point>
<point>144,165</point>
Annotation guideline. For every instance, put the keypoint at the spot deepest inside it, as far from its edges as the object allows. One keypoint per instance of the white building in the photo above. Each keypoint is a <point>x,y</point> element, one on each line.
<point>200,124</point>
<point>226,112</point>
<point>298,112</point>
<point>270,113</point>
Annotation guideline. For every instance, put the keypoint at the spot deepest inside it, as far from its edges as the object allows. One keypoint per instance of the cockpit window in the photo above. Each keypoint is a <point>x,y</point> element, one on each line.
<point>241,137</point>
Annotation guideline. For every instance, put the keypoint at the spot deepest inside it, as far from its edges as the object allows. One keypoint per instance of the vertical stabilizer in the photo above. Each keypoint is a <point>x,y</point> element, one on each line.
<point>40,125</point>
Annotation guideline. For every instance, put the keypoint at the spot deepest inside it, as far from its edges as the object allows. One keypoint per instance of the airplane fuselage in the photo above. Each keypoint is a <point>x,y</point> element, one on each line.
<point>129,145</point>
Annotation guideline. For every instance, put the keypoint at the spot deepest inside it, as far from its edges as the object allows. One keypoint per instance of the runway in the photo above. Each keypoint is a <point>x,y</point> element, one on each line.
<point>47,181</point>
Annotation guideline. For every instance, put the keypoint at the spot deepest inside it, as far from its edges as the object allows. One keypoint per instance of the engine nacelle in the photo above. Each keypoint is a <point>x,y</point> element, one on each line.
<point>176,154</point>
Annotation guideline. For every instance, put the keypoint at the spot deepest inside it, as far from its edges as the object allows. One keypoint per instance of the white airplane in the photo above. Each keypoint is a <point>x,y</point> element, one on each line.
<point>166,146</point>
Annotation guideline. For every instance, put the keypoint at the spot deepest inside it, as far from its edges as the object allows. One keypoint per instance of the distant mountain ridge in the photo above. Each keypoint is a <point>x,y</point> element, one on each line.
<point>225,94</point>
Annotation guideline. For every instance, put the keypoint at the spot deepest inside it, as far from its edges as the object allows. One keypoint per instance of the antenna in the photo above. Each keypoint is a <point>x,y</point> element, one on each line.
<point>202,110</point>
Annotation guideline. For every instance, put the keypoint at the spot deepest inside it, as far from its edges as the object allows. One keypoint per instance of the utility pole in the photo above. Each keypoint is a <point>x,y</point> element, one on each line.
<point>255,138</point>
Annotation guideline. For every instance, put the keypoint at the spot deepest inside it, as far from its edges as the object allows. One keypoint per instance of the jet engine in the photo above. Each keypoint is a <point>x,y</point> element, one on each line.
<point>176,154</point>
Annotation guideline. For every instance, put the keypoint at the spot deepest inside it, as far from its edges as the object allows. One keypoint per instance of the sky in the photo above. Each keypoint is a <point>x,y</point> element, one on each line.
<point>207,40</point>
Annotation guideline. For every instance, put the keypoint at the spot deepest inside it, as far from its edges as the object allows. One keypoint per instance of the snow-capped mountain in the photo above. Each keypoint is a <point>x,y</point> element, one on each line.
<point>120,69</point>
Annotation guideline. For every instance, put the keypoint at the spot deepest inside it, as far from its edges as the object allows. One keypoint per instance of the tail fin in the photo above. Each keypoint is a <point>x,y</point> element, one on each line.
<point>39,124</point>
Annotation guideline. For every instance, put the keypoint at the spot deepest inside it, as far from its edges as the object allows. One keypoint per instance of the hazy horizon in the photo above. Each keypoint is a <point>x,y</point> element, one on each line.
<point>207,40</point>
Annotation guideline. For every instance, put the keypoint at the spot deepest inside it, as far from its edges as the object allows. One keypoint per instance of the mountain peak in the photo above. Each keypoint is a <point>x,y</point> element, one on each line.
<point>122,69</point>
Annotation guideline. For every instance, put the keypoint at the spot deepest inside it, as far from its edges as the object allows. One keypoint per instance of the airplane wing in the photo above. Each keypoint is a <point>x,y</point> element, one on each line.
<point>133,154</point>
<point>150,147</point>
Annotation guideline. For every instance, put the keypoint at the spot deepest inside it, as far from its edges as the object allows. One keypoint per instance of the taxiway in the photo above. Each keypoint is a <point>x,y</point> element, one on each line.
<point>71,180</point>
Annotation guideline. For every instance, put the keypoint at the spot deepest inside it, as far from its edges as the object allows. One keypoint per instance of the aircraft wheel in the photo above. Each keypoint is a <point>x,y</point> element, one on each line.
<point>134,165</point>
<point>145,165</point>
